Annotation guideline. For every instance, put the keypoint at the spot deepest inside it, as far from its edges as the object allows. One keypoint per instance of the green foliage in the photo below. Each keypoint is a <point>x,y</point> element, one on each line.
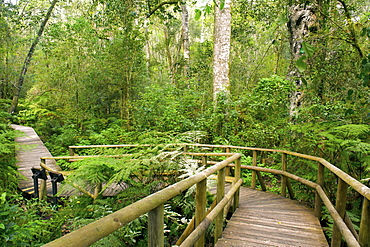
<point>166,108</point>
<point>142,168</point>
<point>258,118</point>
<point>25,223</point>
<point>8,176</point>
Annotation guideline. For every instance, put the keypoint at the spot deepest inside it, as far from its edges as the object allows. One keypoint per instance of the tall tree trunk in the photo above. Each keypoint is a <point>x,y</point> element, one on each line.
<point>185,36</point>
<point>222,34</point>
<point>27,61</point>
<point>301,17</point>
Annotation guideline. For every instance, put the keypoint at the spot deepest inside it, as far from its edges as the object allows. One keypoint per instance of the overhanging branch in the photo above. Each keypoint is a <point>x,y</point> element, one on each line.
<point>160,5</point>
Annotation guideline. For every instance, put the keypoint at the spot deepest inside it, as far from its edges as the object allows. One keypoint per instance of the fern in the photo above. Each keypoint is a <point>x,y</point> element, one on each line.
<point>353,131</point>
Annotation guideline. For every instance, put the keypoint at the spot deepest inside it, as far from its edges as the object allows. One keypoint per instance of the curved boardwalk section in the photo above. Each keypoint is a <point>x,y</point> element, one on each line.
<point>266,219</point>
<point>30,150</point>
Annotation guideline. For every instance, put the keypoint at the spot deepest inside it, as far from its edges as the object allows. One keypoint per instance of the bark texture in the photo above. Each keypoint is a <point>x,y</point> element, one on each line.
<point>222,34</point>
<point>185,36</point>
<point>302,19</point>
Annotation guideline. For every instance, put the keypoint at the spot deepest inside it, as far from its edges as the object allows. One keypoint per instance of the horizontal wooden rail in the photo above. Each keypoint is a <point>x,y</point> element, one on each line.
<point>202,227</point>
<point>358,186</point>
<point>321,198</point>
<point>85,157</point>
<point>347,234</point>
<point>96,230</point>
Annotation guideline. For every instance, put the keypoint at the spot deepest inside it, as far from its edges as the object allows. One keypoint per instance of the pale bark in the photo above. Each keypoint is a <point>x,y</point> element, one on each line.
<point>301,18</point>
<point>222,34</point>
<point>185,36</point>
<point>27,61</point>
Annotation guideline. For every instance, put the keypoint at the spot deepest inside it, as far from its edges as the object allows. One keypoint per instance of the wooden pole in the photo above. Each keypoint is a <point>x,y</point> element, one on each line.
<point>204,161</point>
<point>42,190</point>
<point>254,163</point>
<point>365,224</point>
<point>220,195</point>
<point>219,208</point>
<point>283,178</point>
<point>340,206</point>
<point>290,189</point>
<point>237,177</point>
<point>190,228</point>
<point>320,181</point>
<point>71,151</point>
<point>156,227</point>
<point>227,150</point>
<point>200,208</point>
<point>262,182</point>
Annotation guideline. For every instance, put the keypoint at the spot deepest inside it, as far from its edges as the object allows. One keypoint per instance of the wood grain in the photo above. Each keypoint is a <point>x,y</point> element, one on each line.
<point>266,219</point>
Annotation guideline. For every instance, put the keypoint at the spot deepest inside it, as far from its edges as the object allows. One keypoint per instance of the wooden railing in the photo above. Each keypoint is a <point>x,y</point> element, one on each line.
<point>153,204</point>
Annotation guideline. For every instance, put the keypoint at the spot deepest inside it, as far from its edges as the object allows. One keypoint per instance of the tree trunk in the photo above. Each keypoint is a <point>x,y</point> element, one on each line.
<point>222,34</point>
<point>27,61</point>
<point>185,37</point>
<point>301,18</point>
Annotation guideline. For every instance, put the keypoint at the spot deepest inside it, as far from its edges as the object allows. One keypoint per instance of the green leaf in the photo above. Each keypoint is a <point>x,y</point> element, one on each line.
<point>301,65</point>
<point>349,93</point>
<point>349,112</point>
<point>304,81</point>
<point>308,49</point>
<point>207,9</point>
<point>222,4</point>
<point>198,14</point>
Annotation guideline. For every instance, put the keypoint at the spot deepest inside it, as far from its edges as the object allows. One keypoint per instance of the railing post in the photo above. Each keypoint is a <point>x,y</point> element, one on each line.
<point>42,190</point>
<point>156,227</point>
<point>200,208</point>
<point>283,178</point>
<point>340,206</point>
<point>320,181</point>
<point>237,177</point>
<point>220,194</point>
<point>71,152</point>
<point>228,150</point>
<point>204,161</point>
<point>254,163</point>
<point>365,224</point>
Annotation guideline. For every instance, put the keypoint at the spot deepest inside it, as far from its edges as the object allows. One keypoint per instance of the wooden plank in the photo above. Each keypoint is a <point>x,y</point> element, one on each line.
<point>30,150</point>
<point>266,219</point>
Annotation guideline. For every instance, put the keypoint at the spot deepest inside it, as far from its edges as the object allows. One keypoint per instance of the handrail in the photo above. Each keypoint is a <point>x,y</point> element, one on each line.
<point>358,186</point>
<point>344,180</point>
<point>96,230</point>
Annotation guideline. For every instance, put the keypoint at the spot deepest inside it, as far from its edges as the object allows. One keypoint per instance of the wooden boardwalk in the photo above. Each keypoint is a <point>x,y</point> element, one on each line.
<point>267,219</point>
<point>262,219</point>
<point>30,149</point>
<point>29,152</point>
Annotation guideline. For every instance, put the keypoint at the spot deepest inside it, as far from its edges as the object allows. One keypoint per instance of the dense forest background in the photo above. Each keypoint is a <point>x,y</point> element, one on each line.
<point>115,72</point>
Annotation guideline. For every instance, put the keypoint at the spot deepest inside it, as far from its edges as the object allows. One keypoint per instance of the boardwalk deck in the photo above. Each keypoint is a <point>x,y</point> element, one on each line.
<point>262,219</point>
<point>30,150</point>
<point>266,219</point>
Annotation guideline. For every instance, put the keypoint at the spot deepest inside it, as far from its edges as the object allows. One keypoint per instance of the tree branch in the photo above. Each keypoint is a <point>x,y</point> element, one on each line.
<point>151,12</point>
<point>351,28</point>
